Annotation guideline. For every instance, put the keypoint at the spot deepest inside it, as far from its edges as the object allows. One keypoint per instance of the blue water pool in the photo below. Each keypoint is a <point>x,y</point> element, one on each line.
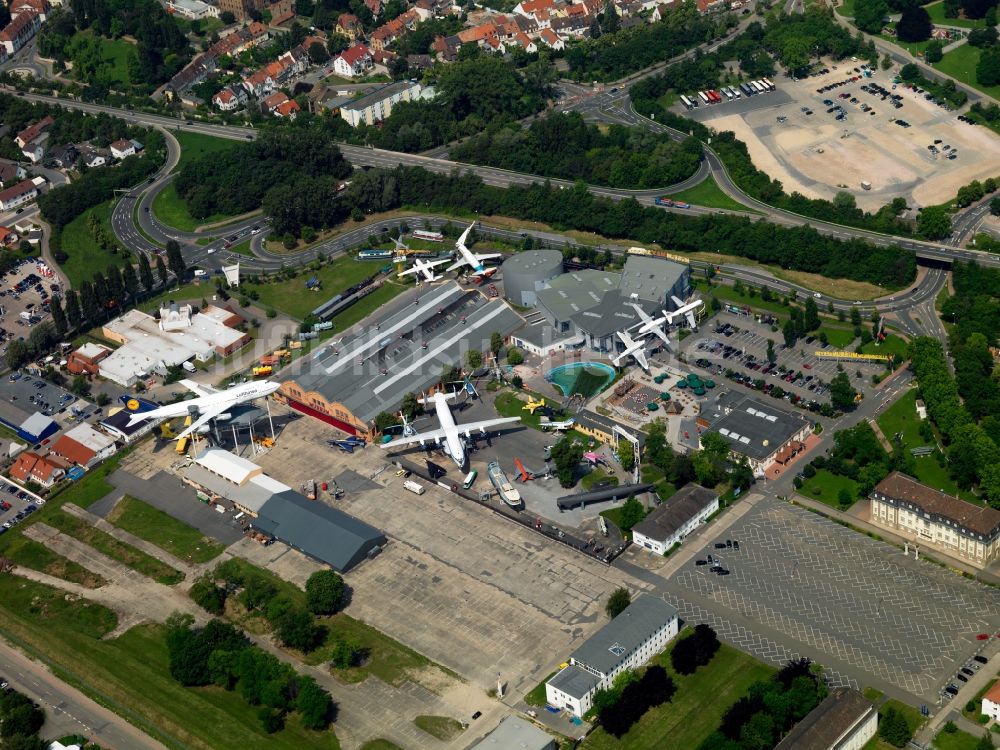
<point>585,378</point>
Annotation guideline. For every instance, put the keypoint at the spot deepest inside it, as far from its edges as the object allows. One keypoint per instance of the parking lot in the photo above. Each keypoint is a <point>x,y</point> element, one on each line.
<point>25,292</point>
<point>801,585</point>
<point>16,504</point>
<point>804,145</point>
<point>735,346</point>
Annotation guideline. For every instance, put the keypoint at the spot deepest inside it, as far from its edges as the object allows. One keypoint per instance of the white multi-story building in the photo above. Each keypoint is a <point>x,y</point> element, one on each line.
<point>925,516</point>
<point>675,518</point>
<point>627,642</point>
<point>377,105</point>
<point>844,720</point>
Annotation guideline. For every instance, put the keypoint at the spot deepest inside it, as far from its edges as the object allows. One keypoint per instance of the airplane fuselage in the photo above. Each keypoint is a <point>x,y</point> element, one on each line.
<point>237,395</point>
<point>453,444</point>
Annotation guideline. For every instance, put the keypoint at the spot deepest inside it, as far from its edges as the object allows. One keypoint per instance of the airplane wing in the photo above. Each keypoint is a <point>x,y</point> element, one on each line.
<point>458,264</point>
<point>471,427</point>
<point>201,390</point>
<point>465,234</point>
<point>431,436</point>
<point>676,301</point>
<point>660,332</point>
<point>487,256</point>
<point>642,314</point>
<point>411,269</point>
<point>692,321</point>
<point>640,357</point>
<point>204,419</point>
<point>433,263</point>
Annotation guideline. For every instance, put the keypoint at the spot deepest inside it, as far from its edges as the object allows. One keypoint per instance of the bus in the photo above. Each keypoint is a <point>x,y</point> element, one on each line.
<point>420,234</point>
<point>746,89</point>
<point>767,82</point>
<point>759,86</point>
<point>686,102</point>
<point>704,97</point>
<point>470,479</point>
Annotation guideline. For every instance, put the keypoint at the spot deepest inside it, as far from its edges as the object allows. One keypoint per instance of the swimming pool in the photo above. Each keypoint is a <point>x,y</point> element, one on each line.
<point>585,378</point>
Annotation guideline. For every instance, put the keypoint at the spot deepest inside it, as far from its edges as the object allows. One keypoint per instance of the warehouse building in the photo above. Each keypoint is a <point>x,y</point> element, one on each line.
<point>924,515</point>
<point>675,518</point>
<point>348,383</point>
<point>631,639</point>
<point>761,433</point>
<point>526,274</point>
<point>844,720</point>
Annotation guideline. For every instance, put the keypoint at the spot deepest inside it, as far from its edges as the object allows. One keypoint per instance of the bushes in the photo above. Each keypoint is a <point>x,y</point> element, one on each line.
<point>325,592</point>
<point>696,650</point>
<point>653,689</point>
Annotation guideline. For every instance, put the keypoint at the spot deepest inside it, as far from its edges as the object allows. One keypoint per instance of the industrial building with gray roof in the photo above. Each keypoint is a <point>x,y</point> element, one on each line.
<point>762,433</point>
<point>350,381</point>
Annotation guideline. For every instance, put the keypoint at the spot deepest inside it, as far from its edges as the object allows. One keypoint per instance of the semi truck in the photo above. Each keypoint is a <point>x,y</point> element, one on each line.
<point>670,202</point>
<point>414,487</point>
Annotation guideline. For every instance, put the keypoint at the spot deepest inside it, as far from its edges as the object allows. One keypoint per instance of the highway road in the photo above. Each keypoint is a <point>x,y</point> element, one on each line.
<point>68,711</point>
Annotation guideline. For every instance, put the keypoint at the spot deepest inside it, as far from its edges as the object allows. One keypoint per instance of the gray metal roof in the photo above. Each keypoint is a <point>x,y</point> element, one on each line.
<point>448,319</point>
<point>613,313</point>
<point>825,726</point>
<point>249,495</point>
<point>650,278</point>
<point>576,291</point>
<point>673,513</point>
<point>612,644</point>
<point>573,681</point>
<point>515,733</point>
<point>322,532</point>
<point>757,430</point>
<point>379,95</point>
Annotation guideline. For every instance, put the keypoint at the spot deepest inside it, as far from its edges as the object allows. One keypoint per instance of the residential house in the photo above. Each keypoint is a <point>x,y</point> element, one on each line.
<point>63,157</point>
<point>282,11</point>
<point>274,101</point>
<point>10,172</point>
<point>122,149</point>
<point>662,10</point>
<point>377,105</point>
<point>7,236</point>
<point>552,39</point>
<point>20,31</point>
<point>34,132</point>
<point>287,109</point>
<point>93,157</point>
<point>293,63</point>
<point>83,446</point>
<point>531,7</point>
<point>375,6</point>
<point>193,73</point>
<point>41,7</point>
<point>23,192</point>
<point>446,47</point>
<point>349,25</point>
<point>354,61</point>
<point>43,470</point>
<point>711,6</point>
<point>34,151</point>
<point>229,98</point>
<point>522,41</point>
<point>259,84</point>
<point>577,26</point>
<point>389,32</point>
<point>419,62</point>
<point>991,702</point>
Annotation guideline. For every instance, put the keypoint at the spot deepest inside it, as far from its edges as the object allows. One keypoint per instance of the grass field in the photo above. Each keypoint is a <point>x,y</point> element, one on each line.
<point>31,554</point>
<point>936,12</point>
<point>902,417</point>
<point>117,550</point>
<point>442,727</point>
<point>696,709</point>
<point>826,487</point>
<point>166,532</point>
<point>170,209</point>
<point>291,296</point>
<point>130,674</point>
<point>893,345</point>
<point>194,145</point>
<point>961,64</point>
<point>846,9</point>
<point>955,741</point>
<point>86,257</point>
<point>536,696</point>
<point>708,193</point>
<point>840,338</point>
<point>115,54</point>
<point>728,294</point>
<point>242,248</point>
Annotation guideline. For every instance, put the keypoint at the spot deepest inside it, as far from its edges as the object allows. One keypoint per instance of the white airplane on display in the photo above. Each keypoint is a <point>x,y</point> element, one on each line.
<point>567,425</point>
<point>469,258</point>
<point>651,325</point>
<point>424,267</point>
<point>637,349</point>
<point>211,403</point>
<point>686,310</point>
<point>449,436</point>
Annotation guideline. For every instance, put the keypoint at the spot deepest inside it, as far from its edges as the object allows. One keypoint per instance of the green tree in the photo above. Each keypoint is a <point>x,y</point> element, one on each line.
<point>790,333</point>
<point>22,721</point>
<point>995,206</point>
<point>325,591</point>
<point>985,742</point>
<point>130,281</point>
<point>934,51</point>
<point>207,595</point>
<point>886,62</point>
<point>145,273</point>
<point>473,359</point>
<point>610,23</point>
<point>345,652</point>
<point>74,315</point>
<point>566,455</point>
<point>297,630</point>
<point>514,357</point>
<point>161,270</point>
<point>626,455</point>
<point>313,704</point>
<point>175,260</point>
<point>893,728</point>
<point>914,25</point>
<point>811,315</point>
<point>632,512</point>
<point>841,392</point>
<point>870,16</point>
<point>496,338</point>
<point>410,406</point>
<point>58,317</point>
<point>772,357</point>
<point>988,69</point>
<point>934,222</point>
<point>617,603</point>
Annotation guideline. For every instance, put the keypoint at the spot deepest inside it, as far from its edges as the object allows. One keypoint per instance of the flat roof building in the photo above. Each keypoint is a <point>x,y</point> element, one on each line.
<point>515,733</point>
<point>991,702</point>
<point>631,639</point>
<point>348,383</point>
<point>761,433</point>
<point>927,516</point>
<point>844,720</point>
<point>675,518</point>
<point>377,105</point>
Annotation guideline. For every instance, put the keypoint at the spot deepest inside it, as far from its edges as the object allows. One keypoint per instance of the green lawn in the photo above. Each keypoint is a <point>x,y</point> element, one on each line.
<point>708,193</point>
<point>873,694</point>
<point>242,248</point>
<point>936,12</point>
<point>840,338</point>
<point>130,674</point>
<point>512,403</point>
<point>911,714</point>
<point>165,531</point>
<point>442,727</point>
<point>893,345</point>
<point>846,9</point>
<point>597,475</point>
<point>977,701</point>
<point>292,297</point>
<point>902,417</point>
<point>194,145</point>
<point>826,488</point>
<point>115,549</point>
<point>914,48</point>
<point>86,257</point>
<point>194,292</point>
<point>113,66</point>
<point>170,209</point>
<point>696,709</point>
<point>536,696</point>
<point>961,64</point>
<point>956,741</point>
<point>34,555</point>
<point>726,293</point>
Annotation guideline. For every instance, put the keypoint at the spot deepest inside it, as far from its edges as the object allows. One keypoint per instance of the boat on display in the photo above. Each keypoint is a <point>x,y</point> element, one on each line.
<point>508,493</point>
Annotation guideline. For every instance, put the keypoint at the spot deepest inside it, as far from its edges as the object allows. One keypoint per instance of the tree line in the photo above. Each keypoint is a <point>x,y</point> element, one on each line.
<point>563,145</point>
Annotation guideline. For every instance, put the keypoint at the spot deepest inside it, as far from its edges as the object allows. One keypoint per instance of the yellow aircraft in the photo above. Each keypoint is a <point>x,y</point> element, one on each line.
<point>532,405</point>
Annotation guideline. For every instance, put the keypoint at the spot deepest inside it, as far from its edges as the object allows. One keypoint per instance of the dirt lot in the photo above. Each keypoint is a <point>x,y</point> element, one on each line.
<point>817,155</point>
<point>481,594</point>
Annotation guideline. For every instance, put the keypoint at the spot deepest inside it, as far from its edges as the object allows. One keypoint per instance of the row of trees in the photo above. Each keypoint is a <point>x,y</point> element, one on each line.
<point>220,654</point>
<point>563,145</point>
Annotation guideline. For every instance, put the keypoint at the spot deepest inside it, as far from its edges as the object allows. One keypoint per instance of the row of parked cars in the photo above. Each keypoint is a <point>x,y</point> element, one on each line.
<point>971,667</point>
<point>715,562</point>
<point>837,84</point>
<point>18,517</point>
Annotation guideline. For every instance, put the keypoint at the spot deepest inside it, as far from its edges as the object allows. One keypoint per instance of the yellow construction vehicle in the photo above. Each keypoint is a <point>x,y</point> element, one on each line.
<point>265,442</point>
<point>282,353</point>
<point>295,345</point>
<point>182,444</point>
<point>533,405</point>
<point>262,371</point>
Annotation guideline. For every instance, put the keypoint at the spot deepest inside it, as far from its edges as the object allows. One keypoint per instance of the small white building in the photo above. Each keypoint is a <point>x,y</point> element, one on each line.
<point>122,149</point>
<point>194,10</point>
<point>844,720</point>
<point>354,61</point>
<point>17,195</point>
<point>991,702</point>
<point>677,517</point>
<point>627,642</point>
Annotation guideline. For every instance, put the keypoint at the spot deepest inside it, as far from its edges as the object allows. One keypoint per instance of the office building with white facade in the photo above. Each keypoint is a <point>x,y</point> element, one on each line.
<point>675,518</point>
<point>640,632</point>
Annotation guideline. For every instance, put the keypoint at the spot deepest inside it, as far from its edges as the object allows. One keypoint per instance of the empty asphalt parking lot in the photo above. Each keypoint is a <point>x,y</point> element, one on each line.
<point>804,586</point>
